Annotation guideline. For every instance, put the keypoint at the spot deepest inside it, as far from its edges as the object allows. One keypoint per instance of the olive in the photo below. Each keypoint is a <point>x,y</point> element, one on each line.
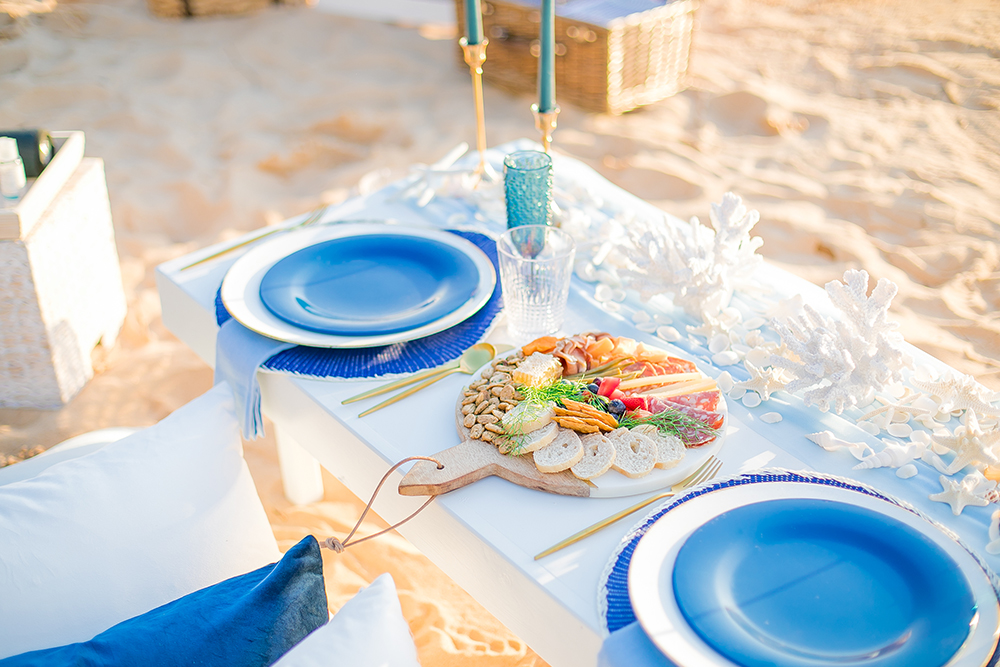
<point>592,388</point>
<point>616,407</point>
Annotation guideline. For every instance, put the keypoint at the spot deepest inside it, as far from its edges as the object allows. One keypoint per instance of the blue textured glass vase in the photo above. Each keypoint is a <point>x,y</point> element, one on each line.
<point>527,177</point>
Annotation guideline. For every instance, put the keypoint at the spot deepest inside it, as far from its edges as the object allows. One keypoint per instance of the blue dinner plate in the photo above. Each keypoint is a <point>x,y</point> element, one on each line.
<point>369,285</point>
<point>809,583</point>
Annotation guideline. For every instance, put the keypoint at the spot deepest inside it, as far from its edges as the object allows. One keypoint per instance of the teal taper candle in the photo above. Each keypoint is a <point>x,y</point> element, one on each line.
<point>547,58</point>
<point>473,22</point>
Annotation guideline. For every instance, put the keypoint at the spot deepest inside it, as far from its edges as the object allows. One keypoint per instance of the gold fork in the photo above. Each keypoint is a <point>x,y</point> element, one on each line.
<point>705,472</point>
<point>314,217</point>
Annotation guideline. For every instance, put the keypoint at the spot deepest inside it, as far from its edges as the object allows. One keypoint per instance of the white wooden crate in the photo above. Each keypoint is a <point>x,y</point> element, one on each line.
<point>60,292</point>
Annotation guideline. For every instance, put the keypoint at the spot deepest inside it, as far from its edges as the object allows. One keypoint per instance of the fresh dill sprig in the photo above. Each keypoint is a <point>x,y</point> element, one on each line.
<point>671,422</point>
<point>553,392</point>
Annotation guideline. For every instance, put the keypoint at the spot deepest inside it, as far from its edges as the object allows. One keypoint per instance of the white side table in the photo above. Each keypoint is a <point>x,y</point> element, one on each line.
<point>60,288</point>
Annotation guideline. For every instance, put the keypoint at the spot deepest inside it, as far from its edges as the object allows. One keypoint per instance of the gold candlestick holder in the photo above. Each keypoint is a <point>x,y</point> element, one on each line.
<point>475,56</point>
<point>545,122</point>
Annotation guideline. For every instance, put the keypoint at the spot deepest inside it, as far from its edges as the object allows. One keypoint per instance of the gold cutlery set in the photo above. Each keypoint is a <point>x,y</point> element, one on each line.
<point>471,360</point>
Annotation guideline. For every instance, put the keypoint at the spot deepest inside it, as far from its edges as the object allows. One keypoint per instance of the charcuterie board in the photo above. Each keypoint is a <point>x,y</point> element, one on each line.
<point>474,459</point>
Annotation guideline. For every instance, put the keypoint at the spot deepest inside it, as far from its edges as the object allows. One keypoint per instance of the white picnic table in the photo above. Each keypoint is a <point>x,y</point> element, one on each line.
<point>485,535</point>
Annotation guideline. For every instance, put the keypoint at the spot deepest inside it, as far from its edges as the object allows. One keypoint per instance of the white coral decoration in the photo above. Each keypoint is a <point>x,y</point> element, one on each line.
<point>702,267</point>
<point>843,361</point>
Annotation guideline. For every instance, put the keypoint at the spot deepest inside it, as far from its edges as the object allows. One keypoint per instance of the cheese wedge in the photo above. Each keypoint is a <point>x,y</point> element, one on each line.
<point>682,388</point>
<point>526,417</point>
<point>657,380</point>
<point>538,370</point>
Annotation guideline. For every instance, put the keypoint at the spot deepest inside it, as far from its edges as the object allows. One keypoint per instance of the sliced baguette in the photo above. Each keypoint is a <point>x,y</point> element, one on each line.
<point>529,442</point>
<point>564,452</point>
<point>598,457</point>
<point>670,449</point>
<point>635,454</point>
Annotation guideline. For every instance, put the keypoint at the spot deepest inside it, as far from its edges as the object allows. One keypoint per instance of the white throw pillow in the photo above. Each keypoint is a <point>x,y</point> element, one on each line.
<point>95,540</point>
<point>368,631</point>
<point>73,448</point>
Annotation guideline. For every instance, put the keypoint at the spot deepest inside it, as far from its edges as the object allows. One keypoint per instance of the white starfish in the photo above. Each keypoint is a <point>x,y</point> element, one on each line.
<point>715,321</point>
<point>960,392</point>
<point>961,494</point>
<point>971,444</point>
<point>902,405</point>
<point>762,380</point>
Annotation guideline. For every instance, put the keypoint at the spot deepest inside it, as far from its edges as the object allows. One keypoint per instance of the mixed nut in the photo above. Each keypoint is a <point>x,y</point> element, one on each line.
<point>489,398</point>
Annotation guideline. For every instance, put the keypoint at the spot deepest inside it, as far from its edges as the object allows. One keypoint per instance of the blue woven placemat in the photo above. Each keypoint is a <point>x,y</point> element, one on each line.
<point>614,601</point>
<point>405,357</point>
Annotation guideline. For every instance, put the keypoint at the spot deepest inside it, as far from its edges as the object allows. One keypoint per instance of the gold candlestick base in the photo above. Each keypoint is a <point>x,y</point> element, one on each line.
<point>545,122</point>
<point>475,56</point>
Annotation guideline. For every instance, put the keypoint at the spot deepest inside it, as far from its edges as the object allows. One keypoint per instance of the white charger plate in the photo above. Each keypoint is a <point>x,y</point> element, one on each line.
<point>650,573</point>
<point>241,286</point>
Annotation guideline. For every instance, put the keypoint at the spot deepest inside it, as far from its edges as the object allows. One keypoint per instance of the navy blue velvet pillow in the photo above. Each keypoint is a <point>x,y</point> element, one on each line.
<point>247,621</point>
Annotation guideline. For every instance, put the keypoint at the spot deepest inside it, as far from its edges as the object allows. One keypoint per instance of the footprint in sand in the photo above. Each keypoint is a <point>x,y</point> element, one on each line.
<point>740,113</point>
<point>12,59</point>
<point>157,66</point>
<point>472,641</point>
<point>88,100</point>
<point>655,185</point>
<point>350,129</point>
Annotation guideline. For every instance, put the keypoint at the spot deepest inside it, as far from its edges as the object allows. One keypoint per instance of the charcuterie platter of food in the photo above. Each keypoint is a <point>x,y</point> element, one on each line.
<point>587,415</point>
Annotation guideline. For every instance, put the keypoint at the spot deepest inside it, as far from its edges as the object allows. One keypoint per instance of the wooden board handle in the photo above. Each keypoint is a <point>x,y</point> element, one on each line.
<point>473,460</point>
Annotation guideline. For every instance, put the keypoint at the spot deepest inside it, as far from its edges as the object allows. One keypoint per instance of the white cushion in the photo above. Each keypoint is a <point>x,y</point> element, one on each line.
<point>73,448</point>
<point>92,541</point>
<point>368,631</point>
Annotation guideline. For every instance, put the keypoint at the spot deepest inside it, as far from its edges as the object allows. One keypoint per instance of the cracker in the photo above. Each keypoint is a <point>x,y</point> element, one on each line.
<point>591,411</point>
<point>577,424</point>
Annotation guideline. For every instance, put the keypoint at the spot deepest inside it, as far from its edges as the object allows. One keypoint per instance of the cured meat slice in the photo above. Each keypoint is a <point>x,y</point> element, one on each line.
<point>650,368</point>
<point>692,437</point>
<point>572,353</point>
<point>680,365</point>
<point>643,368</point>
<point>703,400</point>
<point>670,366</point>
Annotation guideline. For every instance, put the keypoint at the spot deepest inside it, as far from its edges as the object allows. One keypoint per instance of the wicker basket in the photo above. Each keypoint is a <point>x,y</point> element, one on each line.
<point>611,55</point>
<point>60,288</point>
<point>180,8</point>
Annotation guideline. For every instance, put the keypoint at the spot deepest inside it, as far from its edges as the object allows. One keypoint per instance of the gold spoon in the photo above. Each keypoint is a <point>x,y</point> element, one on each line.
<point>402,382</point>
<point>471,360</point>
<point>499,348</point>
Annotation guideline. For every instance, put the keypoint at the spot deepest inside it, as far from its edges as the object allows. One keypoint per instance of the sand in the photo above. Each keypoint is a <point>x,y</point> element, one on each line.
<point>866,133</point>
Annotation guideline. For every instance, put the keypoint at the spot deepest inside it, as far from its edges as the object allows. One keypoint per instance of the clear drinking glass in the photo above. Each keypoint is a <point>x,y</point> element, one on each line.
<point>536,263</point>
<point>527,180</point>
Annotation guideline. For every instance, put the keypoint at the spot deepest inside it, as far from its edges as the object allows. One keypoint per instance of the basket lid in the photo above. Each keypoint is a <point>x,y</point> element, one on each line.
<point>598,12</point>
